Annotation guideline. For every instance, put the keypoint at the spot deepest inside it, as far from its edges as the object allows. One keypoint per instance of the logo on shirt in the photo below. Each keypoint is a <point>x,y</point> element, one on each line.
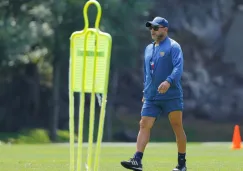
<point>162,54</point>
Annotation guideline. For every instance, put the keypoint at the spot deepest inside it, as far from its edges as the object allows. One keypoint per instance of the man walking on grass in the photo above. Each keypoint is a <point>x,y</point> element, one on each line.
<point>163,93</point>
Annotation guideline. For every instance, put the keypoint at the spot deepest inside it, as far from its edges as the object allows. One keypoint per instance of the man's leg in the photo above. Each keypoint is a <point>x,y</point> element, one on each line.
<point>146,123</point>
<point>174,108</point>
<point>175,118</point>
<point>149,113</point>
<point>135,163</point>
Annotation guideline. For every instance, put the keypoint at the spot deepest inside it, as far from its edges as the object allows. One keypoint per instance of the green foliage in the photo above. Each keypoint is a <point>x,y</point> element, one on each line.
<point>125,22</point>
<point>36,33</point>
<point>36,136</point>
<point>8,137</point>
<point>23,32</point>
<point>63,136</point>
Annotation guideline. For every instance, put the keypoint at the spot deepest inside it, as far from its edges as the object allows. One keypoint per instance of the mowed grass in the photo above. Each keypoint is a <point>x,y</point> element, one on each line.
<point>158,157</point>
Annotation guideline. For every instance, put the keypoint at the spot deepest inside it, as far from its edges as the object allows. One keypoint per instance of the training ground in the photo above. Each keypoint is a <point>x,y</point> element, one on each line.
<point>158,157</point>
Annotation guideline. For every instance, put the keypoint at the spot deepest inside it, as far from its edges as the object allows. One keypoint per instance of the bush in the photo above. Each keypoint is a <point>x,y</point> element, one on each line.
<point>35,136</point>
<point>63,136</point>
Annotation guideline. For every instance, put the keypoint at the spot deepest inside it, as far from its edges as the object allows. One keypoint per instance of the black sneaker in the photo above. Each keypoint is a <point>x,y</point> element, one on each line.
<point>132,164</point>
<point>180,168</point>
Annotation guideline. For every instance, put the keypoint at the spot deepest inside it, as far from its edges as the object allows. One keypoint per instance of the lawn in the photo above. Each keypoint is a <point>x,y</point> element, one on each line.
<point>158,157</point>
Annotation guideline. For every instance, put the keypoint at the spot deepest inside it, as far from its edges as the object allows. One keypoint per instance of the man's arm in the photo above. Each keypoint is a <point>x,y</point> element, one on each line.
<point>144,67</point>
<point>144,72</point>
<point>177,60</point>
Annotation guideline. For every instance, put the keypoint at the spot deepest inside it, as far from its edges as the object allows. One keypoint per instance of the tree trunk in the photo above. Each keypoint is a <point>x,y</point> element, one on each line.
<point>110,104</point>
<point>56,75</point>
<point>56,107</point>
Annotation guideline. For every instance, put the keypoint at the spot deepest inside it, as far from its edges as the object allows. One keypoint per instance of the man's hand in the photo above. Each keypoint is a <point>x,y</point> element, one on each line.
<point>143,99</point>
<point>163,87</point>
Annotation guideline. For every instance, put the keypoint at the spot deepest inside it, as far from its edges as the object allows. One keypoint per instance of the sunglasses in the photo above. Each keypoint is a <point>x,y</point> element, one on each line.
<point>155,28</point>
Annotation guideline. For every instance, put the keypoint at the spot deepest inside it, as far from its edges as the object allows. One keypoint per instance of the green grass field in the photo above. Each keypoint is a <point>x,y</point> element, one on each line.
<point>158,157</point>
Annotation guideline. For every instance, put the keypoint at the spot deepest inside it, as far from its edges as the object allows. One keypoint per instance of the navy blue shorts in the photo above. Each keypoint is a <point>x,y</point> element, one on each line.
<point>155,108</point>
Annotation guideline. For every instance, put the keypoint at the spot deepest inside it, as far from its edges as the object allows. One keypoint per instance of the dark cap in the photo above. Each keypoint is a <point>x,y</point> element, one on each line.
<point>158,21</point>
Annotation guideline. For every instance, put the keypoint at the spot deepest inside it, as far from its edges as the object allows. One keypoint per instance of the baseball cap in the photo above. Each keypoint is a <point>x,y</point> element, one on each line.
<point>157,21</point>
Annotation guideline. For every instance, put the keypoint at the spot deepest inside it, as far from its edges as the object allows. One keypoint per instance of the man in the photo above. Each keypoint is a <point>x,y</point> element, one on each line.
<point>163,67</point>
